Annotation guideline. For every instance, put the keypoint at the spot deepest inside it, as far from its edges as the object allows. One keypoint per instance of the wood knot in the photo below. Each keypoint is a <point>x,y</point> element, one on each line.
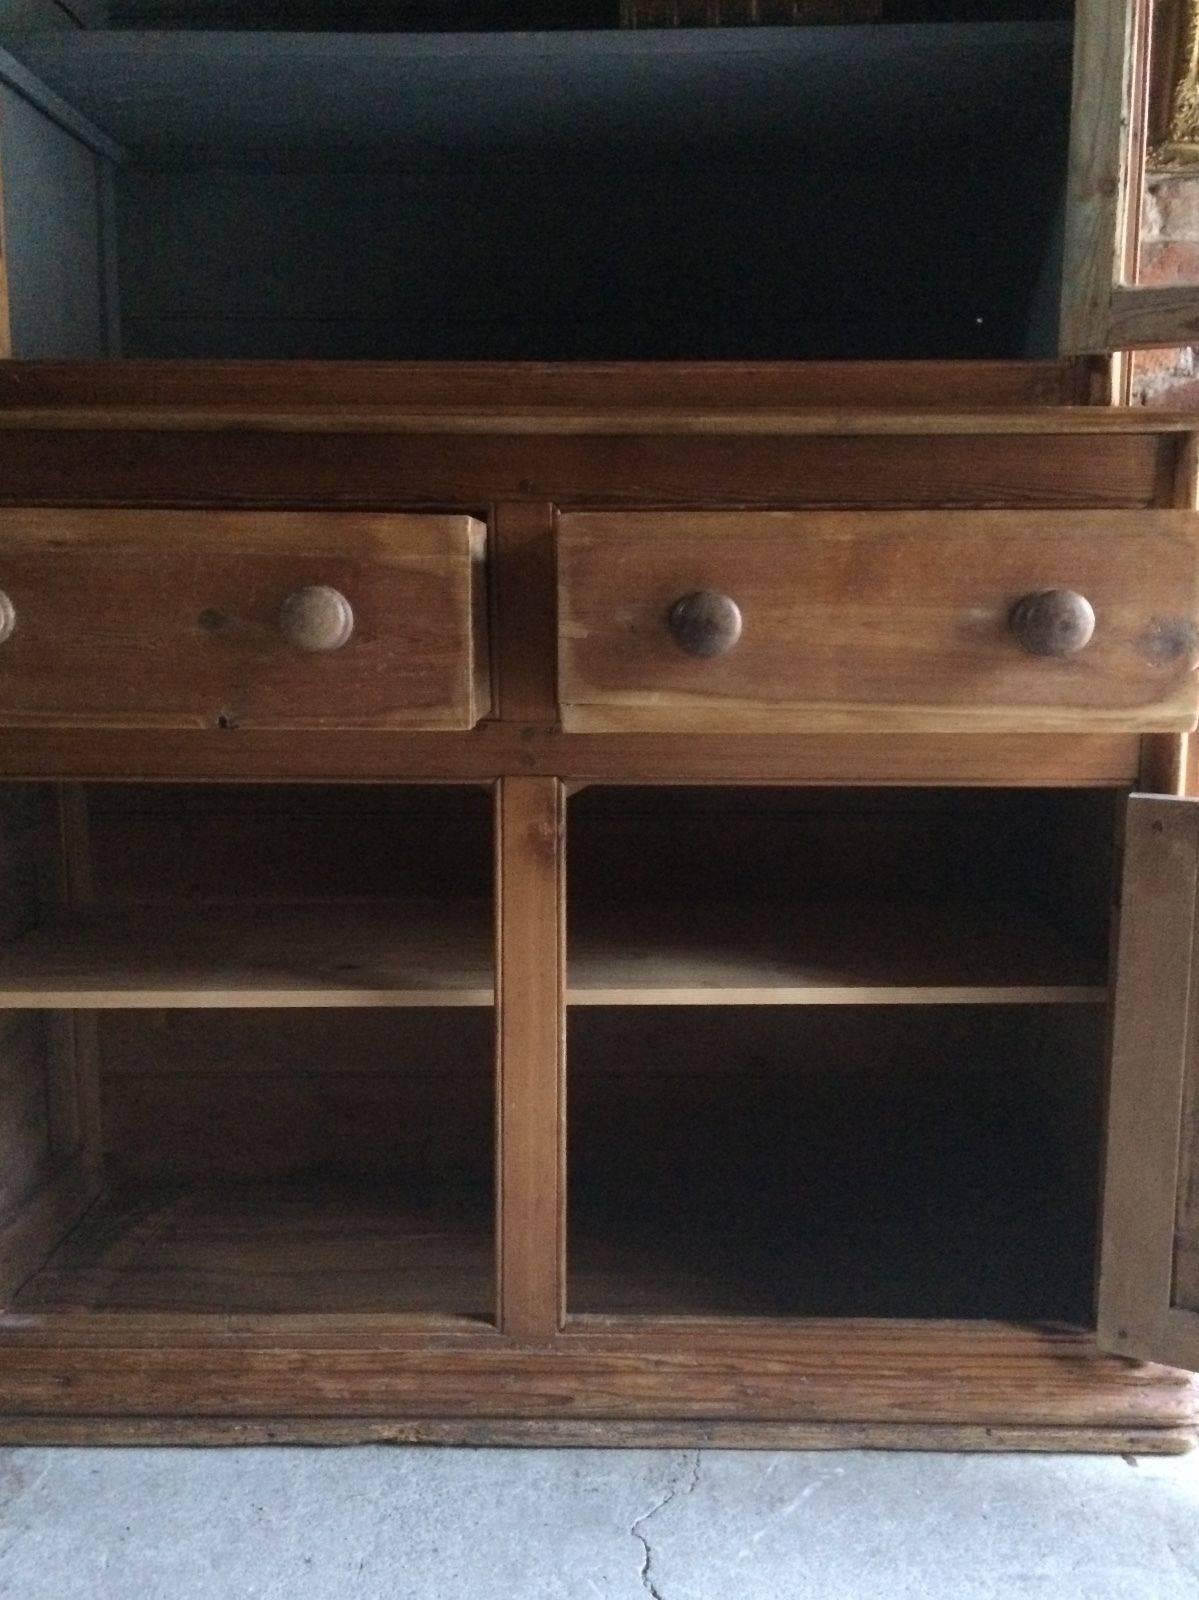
<point>1170,642</point>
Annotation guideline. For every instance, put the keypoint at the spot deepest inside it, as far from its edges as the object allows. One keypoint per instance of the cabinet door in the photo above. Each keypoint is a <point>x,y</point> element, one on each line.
<point>1149,1268</point>
<point>1136,88</point>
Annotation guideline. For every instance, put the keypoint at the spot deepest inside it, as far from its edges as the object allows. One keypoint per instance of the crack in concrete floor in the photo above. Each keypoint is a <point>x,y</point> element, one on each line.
<point>637,1529</point>
<point>388,1523</point>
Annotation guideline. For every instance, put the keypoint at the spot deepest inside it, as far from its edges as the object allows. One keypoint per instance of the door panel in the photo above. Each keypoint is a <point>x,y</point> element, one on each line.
<point>1149,1268</point>
<point>1108,300</point>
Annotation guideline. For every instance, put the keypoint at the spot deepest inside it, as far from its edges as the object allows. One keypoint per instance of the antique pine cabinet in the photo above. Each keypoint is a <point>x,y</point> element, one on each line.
<point>594,691</point>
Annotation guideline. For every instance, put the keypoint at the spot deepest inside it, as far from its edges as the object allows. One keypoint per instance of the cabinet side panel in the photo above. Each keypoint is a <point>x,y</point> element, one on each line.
<point>52,216</point>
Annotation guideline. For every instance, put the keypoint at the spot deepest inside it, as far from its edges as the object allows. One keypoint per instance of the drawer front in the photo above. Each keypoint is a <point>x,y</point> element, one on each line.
<point>175,619</point>
<point>947,621</point>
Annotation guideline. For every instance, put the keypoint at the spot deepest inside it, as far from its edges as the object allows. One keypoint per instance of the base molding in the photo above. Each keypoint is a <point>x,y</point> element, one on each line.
<point>576,1435</point>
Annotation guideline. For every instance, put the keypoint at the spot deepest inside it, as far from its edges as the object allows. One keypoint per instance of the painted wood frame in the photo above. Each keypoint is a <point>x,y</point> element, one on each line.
<point>1104,308</point>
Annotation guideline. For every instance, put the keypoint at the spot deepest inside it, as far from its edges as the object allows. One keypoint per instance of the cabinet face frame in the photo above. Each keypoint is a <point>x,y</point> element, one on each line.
<point>1103,307</point>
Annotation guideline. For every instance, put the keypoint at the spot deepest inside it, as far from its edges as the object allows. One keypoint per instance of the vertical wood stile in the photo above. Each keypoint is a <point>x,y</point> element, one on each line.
<point>1152,1047</point>
<point>72,1035</point>
<point>1168,759</point>
<point>526,638</point>
<point>1101,187</point>
<point>531,1041</point>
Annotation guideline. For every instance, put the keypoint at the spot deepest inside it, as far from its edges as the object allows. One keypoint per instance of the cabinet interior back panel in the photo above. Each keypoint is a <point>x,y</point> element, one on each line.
<point>729,193</point>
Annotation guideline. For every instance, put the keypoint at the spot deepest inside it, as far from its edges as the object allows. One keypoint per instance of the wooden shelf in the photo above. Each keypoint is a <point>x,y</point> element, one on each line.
<point>402,953</point>
<point>847,953</point>
<point>439,953</point>
<point>275,1247</point>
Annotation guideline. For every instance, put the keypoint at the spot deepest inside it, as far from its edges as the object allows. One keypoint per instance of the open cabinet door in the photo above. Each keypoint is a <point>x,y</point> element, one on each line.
<point>1149,1267</point>
<point>1122,48</point>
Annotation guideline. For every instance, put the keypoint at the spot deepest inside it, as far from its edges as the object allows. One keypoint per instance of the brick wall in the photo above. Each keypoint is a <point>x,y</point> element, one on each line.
<point>1169,254</point>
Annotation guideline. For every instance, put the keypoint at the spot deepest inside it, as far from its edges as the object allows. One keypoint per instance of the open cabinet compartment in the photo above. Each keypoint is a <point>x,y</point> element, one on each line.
<point>248,1050</point>
<point>890,192</point>
<point>847,1058</point>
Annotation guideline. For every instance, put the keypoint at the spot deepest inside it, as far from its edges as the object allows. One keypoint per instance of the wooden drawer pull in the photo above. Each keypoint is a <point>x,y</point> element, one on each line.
<point>316,618</point>
<point>705,623</point>
<point>8,617</point>
<point>1053,622</point>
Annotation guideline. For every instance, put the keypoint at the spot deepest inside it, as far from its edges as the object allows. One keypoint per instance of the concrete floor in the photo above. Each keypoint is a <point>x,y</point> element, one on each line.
<point>291,1524</point>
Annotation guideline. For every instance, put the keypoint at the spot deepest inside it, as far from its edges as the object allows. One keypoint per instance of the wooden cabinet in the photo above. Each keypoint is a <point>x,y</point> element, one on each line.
<point>553,1082</point>
<point>592,900</point>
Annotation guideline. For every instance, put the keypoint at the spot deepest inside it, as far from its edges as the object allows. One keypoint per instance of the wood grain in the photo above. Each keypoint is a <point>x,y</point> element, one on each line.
<point>823,953</point>
<point>1103,189</point>
<point>402,1098</point>
<point>547,1434</point>
<point>438,953</point>
<point>886,1372</point>
<point>1148,1304</point>
<point>1075,761</point>
<point>1051,465</point>
<point>163,619</point>
<point>1154,314</point>
<point>877,621</point>
<point>522,536</point>
<point>429,386</point>
<point>418,953</point>
<point>241,1248</point>
<point>28,1235</point>
<point>531,1046</point>
<point>506,422</point>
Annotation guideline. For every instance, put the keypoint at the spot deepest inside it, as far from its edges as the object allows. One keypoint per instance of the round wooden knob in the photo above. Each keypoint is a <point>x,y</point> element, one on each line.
<point>8,617</point>
<point>316,618</point>
<point>1053,622</point>
<point>705,623</point>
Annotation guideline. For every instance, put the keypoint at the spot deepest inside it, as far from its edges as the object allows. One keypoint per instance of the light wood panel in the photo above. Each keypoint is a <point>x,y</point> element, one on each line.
<point>531,1057</point>
<point>415,953</point>
<point>824,953</point>
<point>877,621</point>
<point>157,619</point>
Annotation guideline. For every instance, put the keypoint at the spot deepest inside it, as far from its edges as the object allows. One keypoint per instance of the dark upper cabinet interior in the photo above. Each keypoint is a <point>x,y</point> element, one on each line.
<point>883,191</point>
